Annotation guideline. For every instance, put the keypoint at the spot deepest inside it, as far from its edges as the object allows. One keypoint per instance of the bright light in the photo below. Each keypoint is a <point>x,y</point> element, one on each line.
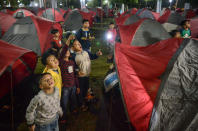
<point>61,3</point>
<point>106,1</point>
<point>86,5</point>
<point>36,4</point>
<point>18,1</point>
<point>170,1</point>
<point>74,32</point>
<point>109,35</point>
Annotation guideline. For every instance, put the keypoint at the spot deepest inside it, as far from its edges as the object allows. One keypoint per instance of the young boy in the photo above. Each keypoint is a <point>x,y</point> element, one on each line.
<point>52,66</point>
<point>70,80</point>
<point>185,31</point>
<point>56,42</point>
<point>111,36</point>
<point>83,61</point>
<point>175,34</point>
<point>84,36</point>
<point>44,109</point>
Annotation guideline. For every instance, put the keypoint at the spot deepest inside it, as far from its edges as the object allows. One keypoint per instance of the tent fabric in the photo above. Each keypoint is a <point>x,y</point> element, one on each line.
<point>131,20</point>
<point>88,16</point>
<point>6,21</point>
<point>148,14</point>
<point>50,13</point>
<point>21,60</point>
<point>190,14</point>
<point>73,21</point>
<point>162,19</point>
<point>194,27</point>
<point>24,12</point>
<point>120,20</point>
<point>142,33</point>
<point>32,33</point>
<point>139,70</point>
<point>176,103</point>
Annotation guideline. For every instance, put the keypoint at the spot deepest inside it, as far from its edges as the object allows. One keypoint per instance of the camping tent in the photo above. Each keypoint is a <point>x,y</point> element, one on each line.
<point>20,13</point>
<point>120,20</point>
<point>160,78</point>
<point>51,14</point>
<point>145,13</point>
<point>142,33</point>
<point>132,19</point>
<point>73,20</point>
<point>19,63</point>
<point>194,27</point>
<point>32,33</point>
<point>170,20</point>
<point>6,21</point>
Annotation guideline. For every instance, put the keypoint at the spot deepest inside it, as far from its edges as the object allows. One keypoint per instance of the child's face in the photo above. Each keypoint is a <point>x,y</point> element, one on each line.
<point>86,25</point>
<point>77,46</point>
<point>111,26</point>
<point>178,35</point>
<point>57,34</point>
<point>47,82</point>
<point>67,55</point>
<point>187,24</point>
<point>52,62</point>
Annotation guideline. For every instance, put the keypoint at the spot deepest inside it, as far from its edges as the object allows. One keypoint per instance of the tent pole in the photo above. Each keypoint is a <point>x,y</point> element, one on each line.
<point>176,4</point>
<point>12,99</point>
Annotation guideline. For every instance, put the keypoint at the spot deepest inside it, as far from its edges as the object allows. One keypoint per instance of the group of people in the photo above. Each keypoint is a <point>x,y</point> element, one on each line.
<point>184,31</point>
<point>64,79</point>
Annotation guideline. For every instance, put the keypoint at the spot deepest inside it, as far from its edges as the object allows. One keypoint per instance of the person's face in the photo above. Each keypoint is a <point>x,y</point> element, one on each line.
<point>187,24</point>
<point>47,82</point>
<point>52,62</point>
<point>178,35</point>
<point>57,34</point>
<point>86,25</point>
<point>77,46</point>
<point>111,26</point>
<point>67,55</point>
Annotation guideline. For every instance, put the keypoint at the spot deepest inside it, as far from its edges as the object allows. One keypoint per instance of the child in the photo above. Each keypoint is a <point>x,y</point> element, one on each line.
<point>83,61</point>
<point>56,42</point>
<point>111,36</point>
<point>52,67</point>
<point>44,109</point>
<point>84,36</point>
<point>175,34</point>
<point>185,31</point>
<point>70,80</point>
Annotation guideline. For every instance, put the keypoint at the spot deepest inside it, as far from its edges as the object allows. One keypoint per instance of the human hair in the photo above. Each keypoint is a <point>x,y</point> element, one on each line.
<point>45,56</point>
<point>54,31</point>
<point>111,23</point>
<point>42,76</point>
<point>173,32</point>
<point>85,20</point>
<point>184,22</point>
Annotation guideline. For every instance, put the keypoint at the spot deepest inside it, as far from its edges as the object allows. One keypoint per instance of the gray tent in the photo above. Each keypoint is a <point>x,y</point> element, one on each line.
<point>31,33</point>
<point>143,33</point>
<point>176,106</point>
<point>73,21</point>
<point>132,19</point>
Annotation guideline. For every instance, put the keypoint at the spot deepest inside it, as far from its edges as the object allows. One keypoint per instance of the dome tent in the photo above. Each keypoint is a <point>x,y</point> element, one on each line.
<point>51,14</point>
<point>20,13</point>
<point>132,19</point>
<point>145,13</point>
<point>32,33</point>
<point>170,20</point>
<point>6,21</point>
<point>168,91</point>
<point>143,33</point>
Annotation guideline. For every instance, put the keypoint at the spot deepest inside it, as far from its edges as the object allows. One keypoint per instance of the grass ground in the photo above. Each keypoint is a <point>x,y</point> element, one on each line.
<point>86,121</point>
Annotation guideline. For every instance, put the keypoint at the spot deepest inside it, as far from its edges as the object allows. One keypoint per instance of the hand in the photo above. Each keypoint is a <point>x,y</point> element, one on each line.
<point>83,38</point>
<point>71,37</point>
<point>78,91</point>
<point>91,38</point>
<point>99,53</point>
<point>81,73</point>
<point>31,128</point>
